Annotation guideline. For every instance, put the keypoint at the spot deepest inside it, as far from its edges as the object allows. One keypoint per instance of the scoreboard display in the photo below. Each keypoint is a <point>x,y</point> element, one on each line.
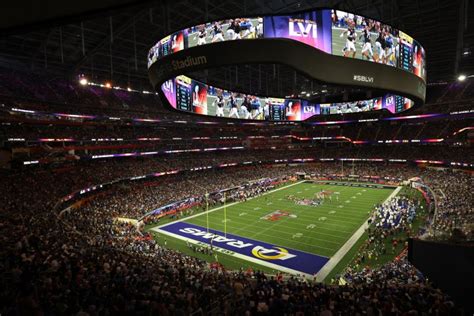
<point>183,93</point>
<point>189,95</point>
<point>333,32</point>
<point>277,109</point>
<point>165,47</point>
<point>406,56</point>
<point>399,103</point>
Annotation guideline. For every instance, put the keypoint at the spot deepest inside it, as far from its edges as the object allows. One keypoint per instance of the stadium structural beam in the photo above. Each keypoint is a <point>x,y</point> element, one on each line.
<point>42,46</point>
<point>462,24</point>
<point>106,40</point>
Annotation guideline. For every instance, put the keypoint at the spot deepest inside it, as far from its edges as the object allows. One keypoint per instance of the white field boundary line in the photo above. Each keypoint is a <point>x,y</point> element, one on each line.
<point>337,257</point>
<point>227,205</point>
<point>233,254</point>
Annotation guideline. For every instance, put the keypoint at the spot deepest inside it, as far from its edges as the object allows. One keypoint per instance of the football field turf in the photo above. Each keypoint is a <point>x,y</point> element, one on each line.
<point>281,222</point>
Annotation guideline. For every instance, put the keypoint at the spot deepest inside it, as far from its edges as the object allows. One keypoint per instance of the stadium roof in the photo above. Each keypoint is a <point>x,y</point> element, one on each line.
<point>110,40</point>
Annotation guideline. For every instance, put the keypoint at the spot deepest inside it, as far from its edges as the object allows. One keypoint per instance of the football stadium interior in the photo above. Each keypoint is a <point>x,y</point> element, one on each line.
<point>237,157</point>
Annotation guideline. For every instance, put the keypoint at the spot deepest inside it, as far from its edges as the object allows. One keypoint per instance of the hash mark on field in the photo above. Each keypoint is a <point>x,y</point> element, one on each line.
<point>242,214</point>
<point>364,190</point>
<point>269,203</point>
<point>299,192</point>
<point>353,197</point>
<point>257,208</point>
<point>341,206</point>
<point>358,193</point>
<point>348,201</point>
<point>322,218</point>
<point>311,226</point>
<point>297,235</point>
<point>280,199</point>
<point>332,212</point>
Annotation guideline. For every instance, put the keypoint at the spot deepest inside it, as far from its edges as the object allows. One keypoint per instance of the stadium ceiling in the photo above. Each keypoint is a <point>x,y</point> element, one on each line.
<point>110,41</point>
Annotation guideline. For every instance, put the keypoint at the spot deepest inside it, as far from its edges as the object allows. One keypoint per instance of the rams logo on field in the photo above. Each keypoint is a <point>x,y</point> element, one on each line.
<point>271,254</point>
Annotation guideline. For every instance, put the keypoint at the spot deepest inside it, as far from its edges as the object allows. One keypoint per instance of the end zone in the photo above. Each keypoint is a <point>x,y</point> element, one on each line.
<point>272,256</point>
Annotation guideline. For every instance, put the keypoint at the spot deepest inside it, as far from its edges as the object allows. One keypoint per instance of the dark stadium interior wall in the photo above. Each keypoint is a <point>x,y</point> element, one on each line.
<point>449,265</point>
<point>5,158</point>
<point>26,15</point>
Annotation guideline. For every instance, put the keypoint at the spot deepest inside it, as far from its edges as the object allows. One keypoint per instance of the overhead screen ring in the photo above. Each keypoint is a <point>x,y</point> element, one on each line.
<point>314,43</point>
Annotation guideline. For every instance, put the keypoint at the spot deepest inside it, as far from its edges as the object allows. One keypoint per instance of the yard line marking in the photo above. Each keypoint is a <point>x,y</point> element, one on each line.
<point>332,222</point>
<point>229,205</point>
<point>334,260</point>
<point>327,223</point>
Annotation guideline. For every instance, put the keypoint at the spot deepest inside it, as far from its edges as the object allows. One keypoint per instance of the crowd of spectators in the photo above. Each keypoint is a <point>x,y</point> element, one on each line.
<point>87,257</point>
<point>455,200</point>
<point>83,261</point>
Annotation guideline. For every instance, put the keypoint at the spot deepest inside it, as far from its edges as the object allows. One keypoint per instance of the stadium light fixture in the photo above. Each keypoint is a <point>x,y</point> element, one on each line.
<point>108,85</point>
<point>83,81</point>
<point>129,89</point>
<point>462,77</point>
<point>308,94</point>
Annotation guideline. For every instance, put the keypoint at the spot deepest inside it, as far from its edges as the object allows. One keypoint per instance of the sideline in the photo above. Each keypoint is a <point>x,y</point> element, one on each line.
<point>337,257</point>
<point>227,205</point>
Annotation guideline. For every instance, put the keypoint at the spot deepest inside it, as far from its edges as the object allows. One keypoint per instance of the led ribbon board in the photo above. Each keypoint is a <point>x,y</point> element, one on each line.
<point>329,46</point>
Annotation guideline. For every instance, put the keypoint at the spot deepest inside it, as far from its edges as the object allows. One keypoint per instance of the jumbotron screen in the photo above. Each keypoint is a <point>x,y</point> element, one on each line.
<point>189,95</point>
<point>331,31</point>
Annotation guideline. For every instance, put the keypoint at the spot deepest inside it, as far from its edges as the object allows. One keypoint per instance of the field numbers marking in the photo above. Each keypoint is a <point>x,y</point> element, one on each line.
<point>311,226</point>
<point>322,218</point>
<point>297,235</point>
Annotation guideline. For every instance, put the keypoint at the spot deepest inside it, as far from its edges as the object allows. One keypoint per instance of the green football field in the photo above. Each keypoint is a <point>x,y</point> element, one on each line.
<point>319,230</point>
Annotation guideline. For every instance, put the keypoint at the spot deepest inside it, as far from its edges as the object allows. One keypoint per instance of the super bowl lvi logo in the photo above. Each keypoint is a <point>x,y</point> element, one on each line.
<point>277,253</point>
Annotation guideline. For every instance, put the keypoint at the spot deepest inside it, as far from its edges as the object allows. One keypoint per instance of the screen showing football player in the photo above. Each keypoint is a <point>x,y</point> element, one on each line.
<point>232,104</point>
